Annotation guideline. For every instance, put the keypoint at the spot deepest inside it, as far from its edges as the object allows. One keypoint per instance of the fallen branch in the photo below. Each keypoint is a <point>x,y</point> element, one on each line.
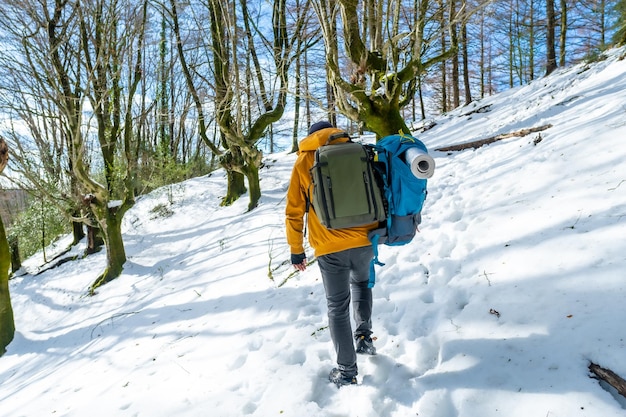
<point>295,272</point>
<point>482,142</point>
<point>58,260</point>
<point>483,109</point>
<point>426,127</point>
<point>609,377</point>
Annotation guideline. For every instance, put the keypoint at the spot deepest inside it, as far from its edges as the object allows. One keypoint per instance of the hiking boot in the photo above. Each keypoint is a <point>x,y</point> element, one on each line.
<point>365,345</point>
<point>338,378</point>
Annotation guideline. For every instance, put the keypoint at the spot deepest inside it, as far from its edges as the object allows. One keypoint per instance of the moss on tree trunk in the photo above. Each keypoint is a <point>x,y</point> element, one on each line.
<point>254,185</point>
<point>7,324</point>
<point>384,119</point>
<point>116,253</point>
<point>235,189</point>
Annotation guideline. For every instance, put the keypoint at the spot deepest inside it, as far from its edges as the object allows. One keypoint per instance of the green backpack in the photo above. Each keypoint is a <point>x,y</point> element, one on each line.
<point>345,191</point>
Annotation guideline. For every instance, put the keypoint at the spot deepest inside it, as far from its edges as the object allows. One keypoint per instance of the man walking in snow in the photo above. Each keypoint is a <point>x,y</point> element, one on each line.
<point>344,257</point>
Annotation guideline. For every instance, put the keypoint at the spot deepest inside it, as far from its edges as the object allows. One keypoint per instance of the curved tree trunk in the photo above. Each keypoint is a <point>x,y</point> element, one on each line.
<point>242,163</point>
<point>116,253</point>
<point>236,187</point>
<point>251,171</point>
<point>380,83</point>
<point>232,162</point>
<point>243,158</point>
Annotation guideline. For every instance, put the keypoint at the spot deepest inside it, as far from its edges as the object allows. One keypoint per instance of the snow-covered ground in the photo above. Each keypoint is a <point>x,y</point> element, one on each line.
<point>515,284</point>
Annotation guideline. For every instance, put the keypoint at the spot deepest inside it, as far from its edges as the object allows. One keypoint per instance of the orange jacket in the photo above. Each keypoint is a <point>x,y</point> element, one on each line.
<point>322,240</point>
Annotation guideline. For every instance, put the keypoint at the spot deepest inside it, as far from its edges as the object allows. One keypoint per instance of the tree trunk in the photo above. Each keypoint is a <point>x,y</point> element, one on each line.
<point>563,33</point>
<point>602,13</point>
<point>511,49</point>
<point>296,104</point>
<point>254,185</point>
<point>16,260</point>
<point>307,90</point>
<point>444,70</point>
<point>531,42</point>
<point>330,105</point>
<point>620,35</point>
<point>454,44</point>
<point>236,187</point>
<point>7,322</point>
<point>116,254</point>
<point>383,118</point>
<point>78,232</point>
<point>481,63</point>
<point>550,47</point>
<point>465,57</point>
<point>94,240</point>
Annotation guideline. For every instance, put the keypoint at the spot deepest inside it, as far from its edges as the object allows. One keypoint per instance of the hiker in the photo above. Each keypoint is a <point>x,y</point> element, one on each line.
<point>343,255</point>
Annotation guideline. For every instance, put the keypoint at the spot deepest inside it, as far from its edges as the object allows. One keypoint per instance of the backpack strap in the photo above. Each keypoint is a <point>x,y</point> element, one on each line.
<point>375,237</point>
<point>307,207</point>
<point>374,261</point>
<point>338,135</point>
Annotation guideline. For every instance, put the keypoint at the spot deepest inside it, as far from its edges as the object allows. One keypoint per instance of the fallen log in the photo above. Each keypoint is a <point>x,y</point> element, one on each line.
<point>609,377</point>
<point>482,142</point>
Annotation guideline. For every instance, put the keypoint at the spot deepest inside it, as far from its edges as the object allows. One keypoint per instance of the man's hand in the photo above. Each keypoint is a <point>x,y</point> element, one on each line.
<point>298,261</point>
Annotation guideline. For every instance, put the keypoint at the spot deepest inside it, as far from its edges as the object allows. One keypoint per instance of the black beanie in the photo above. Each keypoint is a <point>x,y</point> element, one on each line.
<point>319,126</point>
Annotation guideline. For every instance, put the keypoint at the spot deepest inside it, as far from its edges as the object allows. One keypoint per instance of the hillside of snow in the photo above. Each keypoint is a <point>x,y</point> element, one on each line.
<point>515,284</point>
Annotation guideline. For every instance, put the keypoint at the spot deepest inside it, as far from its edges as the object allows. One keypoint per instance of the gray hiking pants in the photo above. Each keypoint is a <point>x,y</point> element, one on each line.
<point>344,273</point>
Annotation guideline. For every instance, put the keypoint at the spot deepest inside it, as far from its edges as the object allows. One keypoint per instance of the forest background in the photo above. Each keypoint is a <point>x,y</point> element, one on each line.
<point>103,101</point>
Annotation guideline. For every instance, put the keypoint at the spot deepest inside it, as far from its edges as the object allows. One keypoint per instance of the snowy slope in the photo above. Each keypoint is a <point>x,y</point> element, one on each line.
<point>515,283</point>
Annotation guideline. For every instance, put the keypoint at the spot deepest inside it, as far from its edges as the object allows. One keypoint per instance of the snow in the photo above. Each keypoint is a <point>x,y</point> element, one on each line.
<point>513,286</point>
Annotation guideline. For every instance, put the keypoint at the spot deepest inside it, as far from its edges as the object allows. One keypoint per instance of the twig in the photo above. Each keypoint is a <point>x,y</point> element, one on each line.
<point>575,223</point>
<point>295,272</point>
<point>487,277</point>
<point>616,187</point>
<point>111,318</point>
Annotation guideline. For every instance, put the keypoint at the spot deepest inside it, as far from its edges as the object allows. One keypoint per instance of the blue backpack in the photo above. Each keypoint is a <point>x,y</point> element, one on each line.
<point>404,189</point>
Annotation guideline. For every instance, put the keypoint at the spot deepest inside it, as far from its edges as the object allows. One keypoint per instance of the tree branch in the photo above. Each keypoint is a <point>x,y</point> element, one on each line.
<point>482,142</point>
<point>609,377</point>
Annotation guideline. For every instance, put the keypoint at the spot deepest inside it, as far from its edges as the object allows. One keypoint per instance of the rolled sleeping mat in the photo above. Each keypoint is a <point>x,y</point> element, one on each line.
<point>422,165</point>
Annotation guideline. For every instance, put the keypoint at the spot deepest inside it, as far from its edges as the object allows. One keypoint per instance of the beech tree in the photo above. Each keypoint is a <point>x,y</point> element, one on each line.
<point>85,59</point>
<point>242,131</point>
<point>372,73</point>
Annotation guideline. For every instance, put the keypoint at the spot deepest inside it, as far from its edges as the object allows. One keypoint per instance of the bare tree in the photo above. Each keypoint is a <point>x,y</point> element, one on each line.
<point>85,60</point>
<point>384,52</point>
<point>242,158</point>
<point>190,81</point>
